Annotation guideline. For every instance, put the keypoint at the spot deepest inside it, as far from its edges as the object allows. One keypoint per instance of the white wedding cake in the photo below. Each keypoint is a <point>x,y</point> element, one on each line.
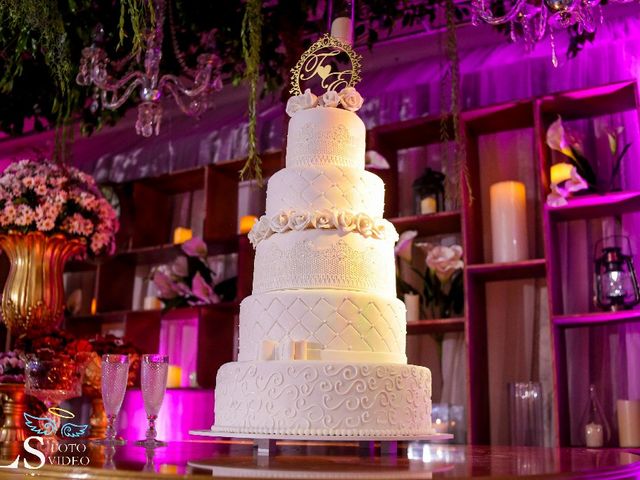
<point>323,336</point>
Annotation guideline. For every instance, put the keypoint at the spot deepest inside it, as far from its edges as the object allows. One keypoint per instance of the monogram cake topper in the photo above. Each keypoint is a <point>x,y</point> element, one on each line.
<point>318,61</point>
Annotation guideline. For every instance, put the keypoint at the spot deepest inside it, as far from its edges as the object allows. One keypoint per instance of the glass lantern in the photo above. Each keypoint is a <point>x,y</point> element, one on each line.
<point>428,190</point>
<point>616,284</point>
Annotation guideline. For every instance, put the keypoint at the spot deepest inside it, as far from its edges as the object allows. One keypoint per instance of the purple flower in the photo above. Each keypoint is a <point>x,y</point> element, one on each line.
<point>195,247</point>
<point>202,290</point>
<point>164,284</point>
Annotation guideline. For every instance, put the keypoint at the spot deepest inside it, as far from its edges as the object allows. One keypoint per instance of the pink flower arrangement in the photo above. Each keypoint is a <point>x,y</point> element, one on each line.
<point>189,280</point>
<point>53,199</point>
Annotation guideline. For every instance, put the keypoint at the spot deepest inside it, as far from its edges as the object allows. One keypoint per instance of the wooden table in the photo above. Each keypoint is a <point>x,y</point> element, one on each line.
<point>236,459</point>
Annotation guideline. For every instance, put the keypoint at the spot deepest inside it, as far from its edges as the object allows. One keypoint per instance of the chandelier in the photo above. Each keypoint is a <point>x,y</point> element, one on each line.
<point>191,98</point>
<point>530,20</point>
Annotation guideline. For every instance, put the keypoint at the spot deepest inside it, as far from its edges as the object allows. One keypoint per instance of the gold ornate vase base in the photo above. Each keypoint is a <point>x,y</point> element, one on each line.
<point>12,432</point>
<point>98,419</point>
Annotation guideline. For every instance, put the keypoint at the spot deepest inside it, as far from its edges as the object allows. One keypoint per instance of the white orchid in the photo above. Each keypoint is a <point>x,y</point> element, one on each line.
<point>557,197</point>
<point>575,183</point>
<point>404,245</point>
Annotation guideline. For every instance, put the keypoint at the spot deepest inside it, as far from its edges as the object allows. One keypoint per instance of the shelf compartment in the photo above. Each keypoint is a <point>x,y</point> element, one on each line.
<point>596,318</point>
<point>594,206</point>
<point>417,132</point>
<point>442,325</point>
<point>508,271</point>
<point>590,102</point>
<point>429,225</point>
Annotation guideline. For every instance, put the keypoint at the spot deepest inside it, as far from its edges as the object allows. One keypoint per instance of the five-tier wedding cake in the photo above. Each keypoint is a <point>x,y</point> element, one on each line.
<point>322,337</point>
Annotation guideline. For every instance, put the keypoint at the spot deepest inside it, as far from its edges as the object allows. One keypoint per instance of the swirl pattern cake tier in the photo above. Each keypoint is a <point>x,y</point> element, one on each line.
<point>325,188</point>
<point>323,398</point>
<point>324,259</point>
<point>339,325</point>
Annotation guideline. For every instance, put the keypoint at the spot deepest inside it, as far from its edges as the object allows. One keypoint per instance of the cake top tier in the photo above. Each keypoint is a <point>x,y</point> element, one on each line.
<point>326,136</point>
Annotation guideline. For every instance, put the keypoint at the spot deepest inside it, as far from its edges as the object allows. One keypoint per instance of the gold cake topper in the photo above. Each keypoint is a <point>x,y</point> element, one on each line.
<point>315,61</point>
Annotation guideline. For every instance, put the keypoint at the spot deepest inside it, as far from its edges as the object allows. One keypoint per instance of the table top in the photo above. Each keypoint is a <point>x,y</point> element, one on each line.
<point>310,460</point>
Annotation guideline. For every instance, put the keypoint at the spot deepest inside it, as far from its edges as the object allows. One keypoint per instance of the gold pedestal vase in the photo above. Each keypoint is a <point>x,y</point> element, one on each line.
<point>12,432</point>
<point>33,296</point>
<point>98,420</point>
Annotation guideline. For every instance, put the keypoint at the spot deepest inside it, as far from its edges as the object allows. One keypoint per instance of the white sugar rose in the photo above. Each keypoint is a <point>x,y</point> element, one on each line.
<point>299,220</point>
<point>350,99</point>
<point>383,229</point>
<point>444,261</point>
<point>330,99</point>
<point>261,230</point>
<point>301,102</point>
<point>365,224</point>
<point>280,222</point>
<point>344,220</point>
<point>322,219</point>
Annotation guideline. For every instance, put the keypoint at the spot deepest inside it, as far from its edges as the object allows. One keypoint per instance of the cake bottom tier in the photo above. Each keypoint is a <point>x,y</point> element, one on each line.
<point>323,398</point>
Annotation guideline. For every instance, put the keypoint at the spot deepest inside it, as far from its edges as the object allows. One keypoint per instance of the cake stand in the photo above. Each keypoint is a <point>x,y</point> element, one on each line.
<point>266,443</point>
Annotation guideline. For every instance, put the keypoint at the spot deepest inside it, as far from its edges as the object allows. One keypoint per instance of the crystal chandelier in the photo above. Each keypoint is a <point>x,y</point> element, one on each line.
<point>530,20</point>
<point>192,99</point>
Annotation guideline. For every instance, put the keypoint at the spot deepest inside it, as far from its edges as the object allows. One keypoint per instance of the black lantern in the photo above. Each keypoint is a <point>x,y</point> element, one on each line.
<point>428,189</point>
<point>616,283</point>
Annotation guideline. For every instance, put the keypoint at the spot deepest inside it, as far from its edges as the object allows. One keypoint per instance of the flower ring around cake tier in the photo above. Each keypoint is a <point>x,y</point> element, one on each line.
<point>344,221</point>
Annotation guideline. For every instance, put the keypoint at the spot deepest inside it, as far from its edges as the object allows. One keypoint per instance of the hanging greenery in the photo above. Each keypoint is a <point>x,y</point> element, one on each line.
<point>142,18</point>
<point>251,43</point>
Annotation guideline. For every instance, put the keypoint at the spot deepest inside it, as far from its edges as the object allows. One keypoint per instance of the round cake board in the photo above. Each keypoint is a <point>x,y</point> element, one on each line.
<point>324,438</point>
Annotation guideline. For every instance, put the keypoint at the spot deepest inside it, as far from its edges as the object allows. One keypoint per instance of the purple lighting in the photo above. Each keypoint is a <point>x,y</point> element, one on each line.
<point>183,409</point>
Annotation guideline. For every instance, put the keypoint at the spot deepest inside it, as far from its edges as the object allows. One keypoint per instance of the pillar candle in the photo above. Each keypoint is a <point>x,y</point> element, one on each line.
<point>560,172</point>
<point>412,302</point>
<point>593,434</point>
<point>152,303</point>
<point>428,205</point>
<point>341,29</point>
<point>509,221</point>
<point>174,377</point>
<point>629,422</point>
<point>247,222</point>
<point>181,235</point>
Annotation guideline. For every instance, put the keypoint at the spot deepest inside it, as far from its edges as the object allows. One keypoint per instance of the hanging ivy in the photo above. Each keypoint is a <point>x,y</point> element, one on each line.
<point>251,43</point>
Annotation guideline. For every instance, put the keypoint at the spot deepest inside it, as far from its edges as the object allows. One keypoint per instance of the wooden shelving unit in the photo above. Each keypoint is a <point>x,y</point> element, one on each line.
<point>535,114</point>
<point>443,325</point>
<point>146,232</point>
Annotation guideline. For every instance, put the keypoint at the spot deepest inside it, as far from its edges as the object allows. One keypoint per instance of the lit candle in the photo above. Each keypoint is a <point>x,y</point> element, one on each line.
<point>152,303</point>
<point>412,302</point>
<point>560,172</point>
<point>593,433</point>
<point>174,377</point>
<point>247,222</point>
<point>509,221</point>
<point>428,205</point>
<point>629,422</point>
<point>181,235</point>
<point>94,306</point>
<point>440,426</point>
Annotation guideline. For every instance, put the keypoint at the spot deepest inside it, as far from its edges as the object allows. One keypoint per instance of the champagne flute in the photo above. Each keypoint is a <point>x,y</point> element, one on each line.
<point>155,368</point>
<point>115,376</point>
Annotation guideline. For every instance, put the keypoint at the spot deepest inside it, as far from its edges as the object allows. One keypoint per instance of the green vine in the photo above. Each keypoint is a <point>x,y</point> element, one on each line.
<point>251,41</point>
<point>34,28</point>
<point>459,160</point>
<point>142,17</point>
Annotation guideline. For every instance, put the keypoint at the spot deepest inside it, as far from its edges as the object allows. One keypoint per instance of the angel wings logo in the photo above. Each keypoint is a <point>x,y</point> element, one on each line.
<point>48,425</point>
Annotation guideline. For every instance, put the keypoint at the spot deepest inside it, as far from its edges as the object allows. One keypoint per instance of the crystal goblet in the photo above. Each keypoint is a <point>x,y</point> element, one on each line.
<point>52,380</point>
<point>115,375</point>
<point>154,383</point>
